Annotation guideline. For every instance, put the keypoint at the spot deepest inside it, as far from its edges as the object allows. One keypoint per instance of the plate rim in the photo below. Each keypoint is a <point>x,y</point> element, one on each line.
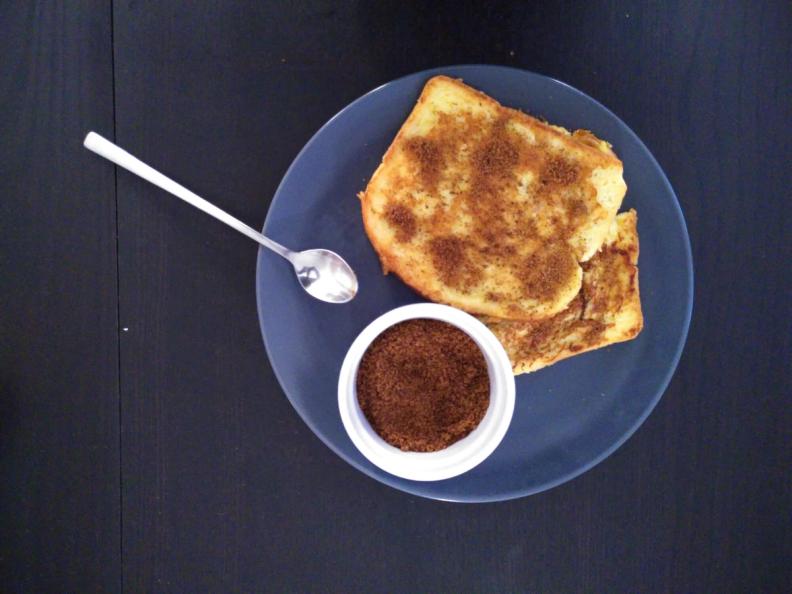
<point>662,387</point>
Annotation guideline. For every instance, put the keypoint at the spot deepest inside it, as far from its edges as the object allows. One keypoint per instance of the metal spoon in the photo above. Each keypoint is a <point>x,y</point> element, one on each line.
<point>322,273</point>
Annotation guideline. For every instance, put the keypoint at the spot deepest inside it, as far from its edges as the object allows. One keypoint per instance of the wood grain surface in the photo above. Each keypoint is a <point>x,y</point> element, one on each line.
<point>59,399</point>
<point>218,486</point>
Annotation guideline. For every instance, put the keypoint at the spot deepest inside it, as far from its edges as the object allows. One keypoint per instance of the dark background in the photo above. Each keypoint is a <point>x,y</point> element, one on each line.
<point>145,444</point>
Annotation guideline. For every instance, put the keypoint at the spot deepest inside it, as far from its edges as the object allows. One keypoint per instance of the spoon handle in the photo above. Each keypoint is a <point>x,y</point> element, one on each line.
<point>112,152</point>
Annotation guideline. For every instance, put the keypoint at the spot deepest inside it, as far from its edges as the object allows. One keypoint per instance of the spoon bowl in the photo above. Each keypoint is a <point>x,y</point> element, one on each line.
<point>325,275</point>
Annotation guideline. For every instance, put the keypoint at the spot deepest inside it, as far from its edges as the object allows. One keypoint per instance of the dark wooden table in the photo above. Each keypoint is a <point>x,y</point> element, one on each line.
<point>145,444</point>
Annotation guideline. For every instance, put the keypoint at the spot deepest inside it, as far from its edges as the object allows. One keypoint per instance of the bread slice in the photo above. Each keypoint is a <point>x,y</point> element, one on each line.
<point>488,209</point>
<point>608,309</point>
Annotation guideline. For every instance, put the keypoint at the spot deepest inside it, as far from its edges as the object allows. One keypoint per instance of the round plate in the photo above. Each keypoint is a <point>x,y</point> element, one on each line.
<point>568,417</point>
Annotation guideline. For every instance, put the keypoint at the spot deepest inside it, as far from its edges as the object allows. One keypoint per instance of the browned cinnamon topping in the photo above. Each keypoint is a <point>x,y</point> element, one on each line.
<point>449,257</point>
<point>610,261</point>
<point>558,171</point>
<point>403,220</point>
<point>577,208</point>
<point>429,157</point>
<point>497,156</point>
<point>423,385</point>
<point>547,271</point>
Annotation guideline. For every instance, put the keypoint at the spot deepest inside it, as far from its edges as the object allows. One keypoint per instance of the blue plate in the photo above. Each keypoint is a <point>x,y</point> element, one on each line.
<point>569,416</point>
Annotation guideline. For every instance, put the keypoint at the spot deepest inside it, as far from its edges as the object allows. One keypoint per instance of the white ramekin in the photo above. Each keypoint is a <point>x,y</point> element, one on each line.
<point>458,457</point>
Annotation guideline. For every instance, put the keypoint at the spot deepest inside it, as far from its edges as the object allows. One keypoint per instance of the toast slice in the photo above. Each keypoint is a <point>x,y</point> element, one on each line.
<point>607,311</point>
<point>488,209</point>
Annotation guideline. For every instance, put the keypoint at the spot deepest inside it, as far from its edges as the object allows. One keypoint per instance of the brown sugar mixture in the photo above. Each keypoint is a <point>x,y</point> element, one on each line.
<point>423,385</point>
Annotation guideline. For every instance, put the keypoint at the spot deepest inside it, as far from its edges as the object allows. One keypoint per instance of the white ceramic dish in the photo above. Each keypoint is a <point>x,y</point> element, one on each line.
<point>458,457</point>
